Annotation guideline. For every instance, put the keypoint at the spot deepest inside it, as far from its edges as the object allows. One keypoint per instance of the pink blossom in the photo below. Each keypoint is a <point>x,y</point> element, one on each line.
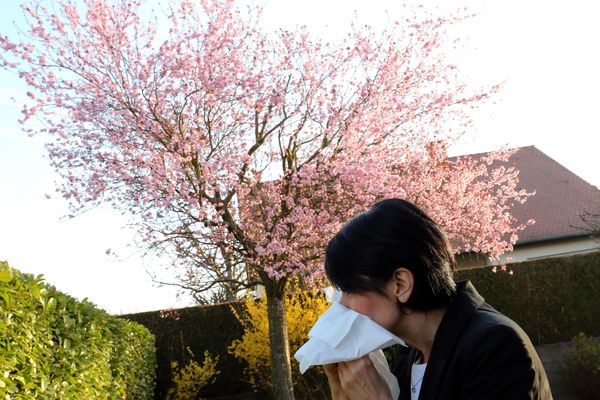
<point>225,138</point>
<point>169,313</point>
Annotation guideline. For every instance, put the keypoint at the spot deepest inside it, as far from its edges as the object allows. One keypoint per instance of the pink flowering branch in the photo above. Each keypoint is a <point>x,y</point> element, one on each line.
<point>218,135</point>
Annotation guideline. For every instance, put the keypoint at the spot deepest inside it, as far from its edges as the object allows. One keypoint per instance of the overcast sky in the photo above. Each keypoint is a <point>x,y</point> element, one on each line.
<point>545,51</point>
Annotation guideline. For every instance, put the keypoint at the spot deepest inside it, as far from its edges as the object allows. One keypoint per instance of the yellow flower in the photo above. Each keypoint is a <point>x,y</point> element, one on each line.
<point>302,310</point>
<point>189,380</point>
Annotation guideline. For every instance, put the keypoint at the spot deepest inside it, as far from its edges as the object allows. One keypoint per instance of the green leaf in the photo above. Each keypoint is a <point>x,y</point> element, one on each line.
<point>5,275</point>
<point>6,299</point>
<point>51,305</point>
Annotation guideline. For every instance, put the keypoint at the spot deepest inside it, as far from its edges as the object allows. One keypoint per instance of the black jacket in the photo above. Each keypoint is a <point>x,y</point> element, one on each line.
<point>477,353</point>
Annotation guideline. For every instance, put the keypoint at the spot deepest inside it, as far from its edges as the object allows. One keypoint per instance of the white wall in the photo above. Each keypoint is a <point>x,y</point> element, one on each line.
<point>557,248</point>
<point>528,252</point>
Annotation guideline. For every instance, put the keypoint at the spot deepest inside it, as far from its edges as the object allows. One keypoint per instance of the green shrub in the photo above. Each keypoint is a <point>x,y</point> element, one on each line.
<point>581,367</point>
<point>552,299</point>
<point>133,361</point>
<point>55,347</point>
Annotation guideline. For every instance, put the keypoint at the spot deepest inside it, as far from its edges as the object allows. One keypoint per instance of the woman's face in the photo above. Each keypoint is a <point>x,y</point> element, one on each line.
<point>383,309</point>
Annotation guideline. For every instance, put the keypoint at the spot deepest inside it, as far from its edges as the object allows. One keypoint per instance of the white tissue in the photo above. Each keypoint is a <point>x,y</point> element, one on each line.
<point>381,365</point>
<point>332,294</point>
<point>342,334</point>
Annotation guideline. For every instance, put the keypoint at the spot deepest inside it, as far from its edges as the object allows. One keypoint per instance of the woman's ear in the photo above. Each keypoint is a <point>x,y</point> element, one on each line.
<point>402,284</point>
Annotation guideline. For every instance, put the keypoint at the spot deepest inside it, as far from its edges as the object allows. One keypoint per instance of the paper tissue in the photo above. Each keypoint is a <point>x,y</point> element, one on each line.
<point>342,334</point>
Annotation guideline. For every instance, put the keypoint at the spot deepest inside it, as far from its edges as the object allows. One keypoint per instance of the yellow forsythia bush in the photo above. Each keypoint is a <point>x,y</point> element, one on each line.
<point>190,379</point>
<point>302,310</point>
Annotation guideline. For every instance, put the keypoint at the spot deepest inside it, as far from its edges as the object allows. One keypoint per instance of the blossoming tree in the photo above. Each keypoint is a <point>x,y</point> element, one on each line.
<point>237,149</point>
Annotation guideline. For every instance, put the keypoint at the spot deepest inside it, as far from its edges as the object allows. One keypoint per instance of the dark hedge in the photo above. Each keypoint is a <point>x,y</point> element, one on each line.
<point>553,299</point>
<point>201,328</point>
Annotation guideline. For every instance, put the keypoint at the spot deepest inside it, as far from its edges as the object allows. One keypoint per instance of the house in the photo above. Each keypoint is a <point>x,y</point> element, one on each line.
<point>561,199</point>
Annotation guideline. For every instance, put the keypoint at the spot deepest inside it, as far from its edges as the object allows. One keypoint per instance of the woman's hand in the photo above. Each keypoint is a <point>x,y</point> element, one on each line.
<point>356,380</point>
<point>337,393</point>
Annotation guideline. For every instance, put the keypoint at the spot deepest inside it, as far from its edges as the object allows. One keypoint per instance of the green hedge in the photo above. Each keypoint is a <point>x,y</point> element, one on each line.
<point>581,367</point>
<point>552,299</point>
<point>55,347</point>
<point>203,328</point>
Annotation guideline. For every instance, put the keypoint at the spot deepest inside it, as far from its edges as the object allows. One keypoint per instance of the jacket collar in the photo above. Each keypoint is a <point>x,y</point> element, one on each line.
<point>455,320</point>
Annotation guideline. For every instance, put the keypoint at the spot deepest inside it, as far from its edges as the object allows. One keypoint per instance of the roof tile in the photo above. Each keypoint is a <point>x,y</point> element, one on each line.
<point>561,197</point>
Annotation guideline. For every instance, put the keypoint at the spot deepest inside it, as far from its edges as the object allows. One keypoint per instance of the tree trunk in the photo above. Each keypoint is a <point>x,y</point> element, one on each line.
<point>280,350</point>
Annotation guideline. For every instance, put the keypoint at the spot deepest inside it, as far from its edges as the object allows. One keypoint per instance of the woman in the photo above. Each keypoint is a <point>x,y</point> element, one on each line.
<point>394,264</point>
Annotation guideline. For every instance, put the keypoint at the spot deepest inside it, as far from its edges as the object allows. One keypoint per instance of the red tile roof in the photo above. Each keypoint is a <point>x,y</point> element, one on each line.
<point>560,200</point>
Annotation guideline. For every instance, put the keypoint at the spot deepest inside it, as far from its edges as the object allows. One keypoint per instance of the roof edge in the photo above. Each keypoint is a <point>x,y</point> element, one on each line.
<point>554,238</point>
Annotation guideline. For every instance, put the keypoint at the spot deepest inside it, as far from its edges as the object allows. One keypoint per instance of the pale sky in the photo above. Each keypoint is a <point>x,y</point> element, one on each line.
<point>545,51</point>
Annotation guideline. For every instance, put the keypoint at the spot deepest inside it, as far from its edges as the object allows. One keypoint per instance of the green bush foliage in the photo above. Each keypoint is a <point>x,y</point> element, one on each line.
<point>552,299</point>
<point>581,367</point>
<point>133,361</point>
<point>55,347</point>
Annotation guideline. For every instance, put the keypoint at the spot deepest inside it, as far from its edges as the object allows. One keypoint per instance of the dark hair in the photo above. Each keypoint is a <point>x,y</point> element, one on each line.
<point>394,233</point>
